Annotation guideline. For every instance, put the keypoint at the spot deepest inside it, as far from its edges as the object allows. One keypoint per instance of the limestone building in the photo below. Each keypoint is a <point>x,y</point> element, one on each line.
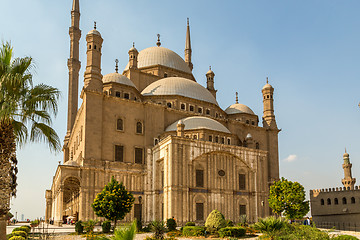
<point>164,136</point>
<point>338,207</point>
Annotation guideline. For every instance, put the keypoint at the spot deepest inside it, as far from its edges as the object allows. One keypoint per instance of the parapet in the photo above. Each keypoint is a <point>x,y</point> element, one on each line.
<point>316,192</point>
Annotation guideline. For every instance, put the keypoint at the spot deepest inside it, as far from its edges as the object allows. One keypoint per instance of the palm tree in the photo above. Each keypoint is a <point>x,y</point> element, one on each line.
<point>123,233</point>
<point>270,226</point>
<point>22,106</point>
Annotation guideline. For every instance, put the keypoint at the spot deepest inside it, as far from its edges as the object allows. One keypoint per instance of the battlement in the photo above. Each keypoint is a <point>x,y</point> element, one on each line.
<point>316,192</point>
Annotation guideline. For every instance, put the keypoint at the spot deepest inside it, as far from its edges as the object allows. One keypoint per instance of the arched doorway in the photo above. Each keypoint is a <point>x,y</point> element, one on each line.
<point>71,200</point>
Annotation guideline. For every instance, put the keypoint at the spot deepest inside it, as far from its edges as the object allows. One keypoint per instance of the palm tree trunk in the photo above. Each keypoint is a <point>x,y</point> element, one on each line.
<point>7,156</point>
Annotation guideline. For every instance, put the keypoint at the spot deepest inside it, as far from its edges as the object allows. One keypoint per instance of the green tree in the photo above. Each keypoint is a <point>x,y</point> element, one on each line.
<point>215,221</point>
<point>288,198</point>
<point>113,202</point>
<point>22,106</point>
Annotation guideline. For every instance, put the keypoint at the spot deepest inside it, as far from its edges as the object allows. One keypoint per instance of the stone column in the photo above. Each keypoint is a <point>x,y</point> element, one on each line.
<point>3,221</point>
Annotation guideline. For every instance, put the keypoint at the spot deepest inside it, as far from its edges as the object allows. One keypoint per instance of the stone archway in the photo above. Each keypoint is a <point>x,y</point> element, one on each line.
<point>71,193</point>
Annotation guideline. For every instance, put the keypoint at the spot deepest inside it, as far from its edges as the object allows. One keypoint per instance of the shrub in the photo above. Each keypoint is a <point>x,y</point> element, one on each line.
<point>147,228</point>
<point>190,224</point>
<point>215,221</point>
<point>89,226</point>
<point>16,229</point>
<point>296,231</point>
<point>26,228</point>
<point>20,233</point>
<point>229,223</point>
<point>269,226</point>
<point>171,224</point>
<point>79,228</point>
<point>158,227</point>
<point>235,232</point>
<point>175,233</point>
<point>345,237</point>
<point>243,221</point>
<point>17,238</point>
<point>106,226</point>
<point>190,231</point>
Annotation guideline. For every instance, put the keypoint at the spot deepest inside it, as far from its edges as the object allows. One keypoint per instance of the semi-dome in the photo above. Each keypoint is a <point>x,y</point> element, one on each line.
<point>239,108</point>
<point>160,56</point>
<point>181,87</point>
<point>117,78</point>
<point>197,122</point>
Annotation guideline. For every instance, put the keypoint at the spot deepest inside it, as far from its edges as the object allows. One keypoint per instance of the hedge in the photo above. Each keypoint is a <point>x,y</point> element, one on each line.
<point>232,232</point>
<point>189,231</point>
<point>17,238</point>
<point>20,233</point>
<point>190,224</point>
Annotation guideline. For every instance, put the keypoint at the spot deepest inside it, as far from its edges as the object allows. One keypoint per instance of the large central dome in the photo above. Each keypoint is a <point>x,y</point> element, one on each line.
<point>181,87</point>
<point>153,56</point>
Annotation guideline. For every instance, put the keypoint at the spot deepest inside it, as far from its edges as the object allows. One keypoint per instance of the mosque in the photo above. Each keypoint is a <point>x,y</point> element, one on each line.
<point>162,134</point>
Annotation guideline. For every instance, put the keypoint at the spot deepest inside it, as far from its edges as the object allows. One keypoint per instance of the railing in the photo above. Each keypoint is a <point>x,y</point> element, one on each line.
<point>346,226</point>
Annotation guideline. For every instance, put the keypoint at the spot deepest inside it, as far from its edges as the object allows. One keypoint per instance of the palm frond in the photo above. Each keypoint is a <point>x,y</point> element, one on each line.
<point>41,132</point>
<point>20,131</point>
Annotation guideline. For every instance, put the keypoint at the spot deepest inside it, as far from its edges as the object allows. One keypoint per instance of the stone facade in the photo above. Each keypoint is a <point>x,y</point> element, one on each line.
<point>337,207</point>
<point>164,136</point>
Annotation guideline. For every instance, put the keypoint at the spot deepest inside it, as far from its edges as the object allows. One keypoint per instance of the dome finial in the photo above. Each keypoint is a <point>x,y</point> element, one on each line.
<point>345,150</point>
<point>237,98</point>
<point>94,24</point>
<point>188,21</point>
<point>158,41</point>
<point>133,44</point>
<point>267,80</point>
<point>116,65</point>
<point>209,67</point>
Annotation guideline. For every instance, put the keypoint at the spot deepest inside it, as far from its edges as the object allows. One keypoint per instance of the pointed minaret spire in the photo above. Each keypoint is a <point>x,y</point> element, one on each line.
<point>74,67</point>
<point>188,50</point>
<point>348,181</point>
<point>268,103</point>
<point>237,98</point>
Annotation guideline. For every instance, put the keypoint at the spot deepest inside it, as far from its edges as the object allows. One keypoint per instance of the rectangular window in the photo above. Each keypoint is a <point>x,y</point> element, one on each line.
<point>117,94</point>
<point>162,179</point>
<point>126,96</point>
<point>137,211</point>
<point>191,108</point>
<point>139,155</point>
<point>242,183</point>
<point>199,211</point>
<point>200,178</point>
<point>242,210</point>
<point>119,153</point>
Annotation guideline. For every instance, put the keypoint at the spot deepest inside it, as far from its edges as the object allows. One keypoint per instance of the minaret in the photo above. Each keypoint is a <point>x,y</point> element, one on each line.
<point>133,55</point>
<point>348,181</point>
<point>74,66</point>
<point>188,47</point>
<point>268,102</point>
<point>92,76</point>
<point>210,82</point>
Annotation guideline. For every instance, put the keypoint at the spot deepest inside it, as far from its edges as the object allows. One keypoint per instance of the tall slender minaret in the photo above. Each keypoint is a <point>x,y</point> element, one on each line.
<point>348,181</point>
<point>188,47</point>
<point>74,66</point>
<point>268,102</point>
<point>210,82</point>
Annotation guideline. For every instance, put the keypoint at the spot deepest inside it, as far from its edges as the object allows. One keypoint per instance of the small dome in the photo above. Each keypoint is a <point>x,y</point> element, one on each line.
<point>346,155</point>
<point>94,31</point>
<point>117,78</point>
<point>195,123</point>
<point>71,163</point>
<point>179,86</point>
<point>133,49</point>
<point>267,86</point>
<point>160,56</point>
<point>180,122</point>
<point>239,108</point>
<point>209,72</point>
<point>248,136</point>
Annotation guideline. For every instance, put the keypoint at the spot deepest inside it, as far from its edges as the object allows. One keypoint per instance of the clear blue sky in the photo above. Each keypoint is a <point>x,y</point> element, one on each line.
<point>310,50</point>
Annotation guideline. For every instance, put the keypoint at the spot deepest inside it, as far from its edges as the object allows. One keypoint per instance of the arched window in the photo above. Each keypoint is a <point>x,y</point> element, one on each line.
<point>168,105</point>
<point>165,75</point>
<point>240,143</point>
<point>207,111</point>
<point>344,200</point>
<point>322,201</point>
<point>252,123</point>
<point>139,127</point>
<point>216,139</point>
<point>119,124</point>
<point>336,201</point>
<point>95,47</point>
<point>328,201</point>
<point>228,141</point>
<point>257,146</point>
<point>247,122</point>
<point>223,140</point>
<point>352,200</point>
<point>156,141</point>
<point>195,136</point>
<point>210,138</point>
<point>200,110</point>
<point>126,96</point>
<point>191,108</point>
<point>182,106</point>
